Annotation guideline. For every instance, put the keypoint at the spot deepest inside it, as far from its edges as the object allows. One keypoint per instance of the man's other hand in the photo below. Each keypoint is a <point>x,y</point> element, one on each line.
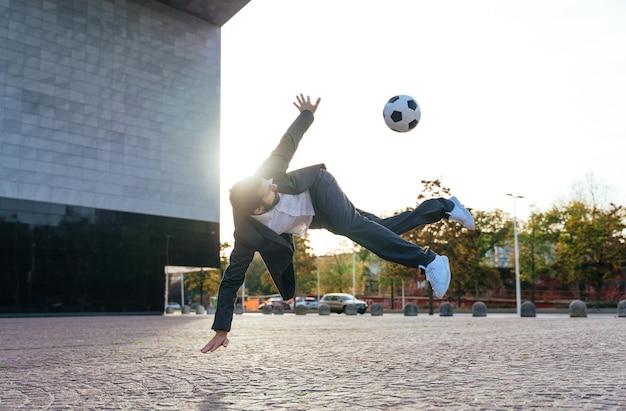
<point>220,339</point>
<point>305,103</point>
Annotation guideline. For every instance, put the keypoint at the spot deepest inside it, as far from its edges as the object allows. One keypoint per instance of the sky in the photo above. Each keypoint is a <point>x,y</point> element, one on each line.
<point>522,97</point>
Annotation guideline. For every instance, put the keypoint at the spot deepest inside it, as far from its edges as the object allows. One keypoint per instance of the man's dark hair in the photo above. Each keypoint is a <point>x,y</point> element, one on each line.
<point>244,195</point>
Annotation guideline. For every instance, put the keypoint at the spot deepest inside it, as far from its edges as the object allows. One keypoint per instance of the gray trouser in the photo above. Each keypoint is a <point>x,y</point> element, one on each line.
<point>336,213</point>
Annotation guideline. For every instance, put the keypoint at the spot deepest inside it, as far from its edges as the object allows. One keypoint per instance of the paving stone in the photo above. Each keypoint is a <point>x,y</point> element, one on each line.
<point>331,362</point>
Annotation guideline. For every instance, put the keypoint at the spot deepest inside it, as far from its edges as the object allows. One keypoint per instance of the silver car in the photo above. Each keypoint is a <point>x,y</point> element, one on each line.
<point>309,302</point>
<point>338,301</point>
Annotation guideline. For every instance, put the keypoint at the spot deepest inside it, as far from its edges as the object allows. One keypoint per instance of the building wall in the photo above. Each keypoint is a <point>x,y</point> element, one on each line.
<point>109,149</point>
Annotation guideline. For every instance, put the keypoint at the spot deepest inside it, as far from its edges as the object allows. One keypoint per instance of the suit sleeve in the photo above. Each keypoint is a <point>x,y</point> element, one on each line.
<point>232,279</point>
<point>275,166</point>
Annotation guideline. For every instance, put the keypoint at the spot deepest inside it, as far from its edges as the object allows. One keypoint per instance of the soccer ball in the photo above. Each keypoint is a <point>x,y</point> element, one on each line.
<point>402,113</point>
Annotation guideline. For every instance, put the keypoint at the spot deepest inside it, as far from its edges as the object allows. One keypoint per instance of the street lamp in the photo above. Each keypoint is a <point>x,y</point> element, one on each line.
<point>518,296</point>
<point>353,272</point>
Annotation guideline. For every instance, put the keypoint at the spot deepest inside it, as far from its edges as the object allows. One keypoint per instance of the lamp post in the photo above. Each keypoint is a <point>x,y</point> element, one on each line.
<point>318,278</point>
<point>353,272</point>
<point>518,296</point>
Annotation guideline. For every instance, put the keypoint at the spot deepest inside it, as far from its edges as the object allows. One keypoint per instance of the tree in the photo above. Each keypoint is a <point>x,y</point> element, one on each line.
<point>204,282</point>
<point>427,236</point>
<point>371,266</point>
<point>538,238</point>
<point>465,250</point>
<point>496,230</point>
<point>591,192</point>
<point>207,282</point>
<point>463,247</point>
<point>337,273</point>
<point>258,280</point>
<point>305,265</point>
<point>591,245</point>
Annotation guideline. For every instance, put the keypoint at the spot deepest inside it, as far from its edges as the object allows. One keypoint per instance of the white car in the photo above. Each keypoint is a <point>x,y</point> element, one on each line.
<point>308,302</point>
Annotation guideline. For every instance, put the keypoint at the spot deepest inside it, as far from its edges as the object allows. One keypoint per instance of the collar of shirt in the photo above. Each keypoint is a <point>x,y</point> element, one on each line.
<point>293,214</point>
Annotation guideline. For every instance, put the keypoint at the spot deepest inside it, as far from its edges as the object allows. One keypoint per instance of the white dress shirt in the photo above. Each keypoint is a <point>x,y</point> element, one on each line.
<point>293,214</point>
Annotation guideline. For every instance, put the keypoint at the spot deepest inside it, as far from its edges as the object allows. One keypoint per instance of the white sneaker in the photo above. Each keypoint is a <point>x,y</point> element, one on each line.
<point>438,273</point>
<point>461,215</point>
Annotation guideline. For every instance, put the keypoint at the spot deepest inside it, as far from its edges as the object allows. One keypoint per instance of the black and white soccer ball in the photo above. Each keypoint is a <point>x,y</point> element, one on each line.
<point>402,113</point>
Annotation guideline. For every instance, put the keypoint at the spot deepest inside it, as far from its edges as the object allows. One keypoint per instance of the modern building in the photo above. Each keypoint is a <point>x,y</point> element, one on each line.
<point>109,150</point>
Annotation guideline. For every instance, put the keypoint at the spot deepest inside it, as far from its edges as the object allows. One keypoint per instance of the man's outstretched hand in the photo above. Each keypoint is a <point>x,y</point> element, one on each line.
<point>220,339</point>
<point>305,104</point>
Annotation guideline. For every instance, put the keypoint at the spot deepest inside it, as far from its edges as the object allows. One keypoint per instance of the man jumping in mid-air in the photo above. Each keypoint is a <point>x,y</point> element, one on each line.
<point>272,205</point>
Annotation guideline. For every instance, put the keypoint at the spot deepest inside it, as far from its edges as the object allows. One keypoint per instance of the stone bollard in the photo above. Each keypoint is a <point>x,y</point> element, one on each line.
<point>479,309</point>
<point>577,308</point>
<point>350,309</point>
<point>211,309</point>
<point>621,308</point>
<point>186,309</point>
<point>445,310</point>
<point>323,309</point>
<point>301,310</point>
<point>377,309</point>
<point>410,310</point>
<point>528,309</point>
<point>199,309</point>
<point>266,309</point>
<point>278,310</point>
<point>169,310</point>
<point>239,309</point>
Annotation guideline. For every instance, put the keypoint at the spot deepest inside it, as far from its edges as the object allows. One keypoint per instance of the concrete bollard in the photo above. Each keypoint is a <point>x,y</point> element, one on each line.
<point>211,309</point>
<point>528,309</point>
<point>301,310</point>
<point>350,309</point>
<point>410,310</point>
<point>239,309</point>
<point>323,309</point>
<point>169,310</point>
<point>186,309</point>
<point>577,308</point>
<point>266,309</point>
<point>377,309</point>
<point>278,310</point>
<point>445,310</point>
<point>479,309</point>
<point>199,309</point>
<point>621,308</point>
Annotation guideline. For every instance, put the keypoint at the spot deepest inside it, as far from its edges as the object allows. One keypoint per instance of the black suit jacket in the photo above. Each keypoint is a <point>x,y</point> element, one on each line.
<point>252,236</point>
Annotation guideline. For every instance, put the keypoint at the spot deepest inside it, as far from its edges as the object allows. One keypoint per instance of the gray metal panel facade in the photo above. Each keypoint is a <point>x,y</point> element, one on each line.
<point>109,151</point>
<point>112,105</point>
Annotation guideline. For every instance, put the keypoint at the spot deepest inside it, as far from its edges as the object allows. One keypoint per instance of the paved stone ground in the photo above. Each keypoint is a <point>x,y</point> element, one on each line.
<point>312,362</point>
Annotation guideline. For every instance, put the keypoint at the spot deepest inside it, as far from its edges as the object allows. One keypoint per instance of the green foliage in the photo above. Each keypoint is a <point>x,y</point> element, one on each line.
<point>537,241</point>
<point>337,276</point>
<point>577,243</point>
<point>258,280</point>
<point>495,230</point>
<point>203,283</point>
<point>464,248</point>
<point>305,265</point>
<point>591,245</point>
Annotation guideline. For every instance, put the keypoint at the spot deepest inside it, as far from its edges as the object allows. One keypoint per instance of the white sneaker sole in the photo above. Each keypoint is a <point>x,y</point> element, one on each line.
<point>464,217</point>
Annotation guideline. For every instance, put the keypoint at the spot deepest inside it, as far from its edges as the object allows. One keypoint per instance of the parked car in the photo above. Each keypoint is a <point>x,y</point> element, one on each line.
<point>338,301</point>
<point>174,306</point>
<point>308,302</point>
<point>275,301</point>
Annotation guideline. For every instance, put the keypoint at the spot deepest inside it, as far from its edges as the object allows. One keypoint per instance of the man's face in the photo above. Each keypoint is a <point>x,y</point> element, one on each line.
<point>269,197</point>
